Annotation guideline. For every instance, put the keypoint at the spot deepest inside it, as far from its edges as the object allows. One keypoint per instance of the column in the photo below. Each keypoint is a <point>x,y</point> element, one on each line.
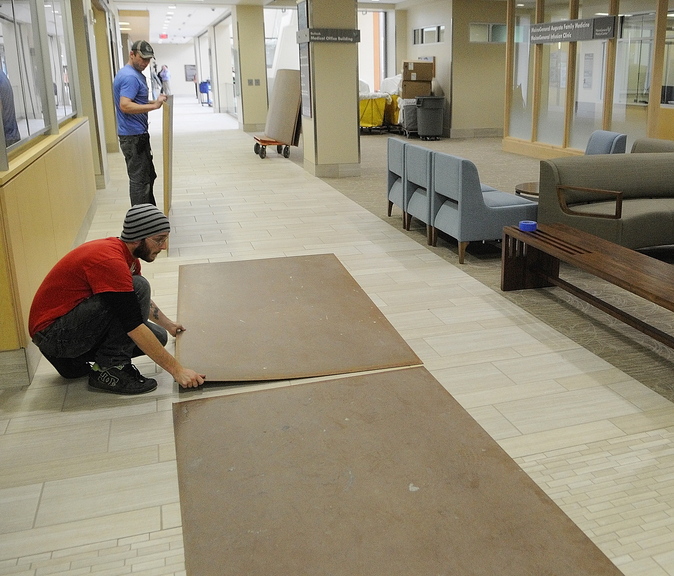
<point>330,122</point>
<point>248,32</point>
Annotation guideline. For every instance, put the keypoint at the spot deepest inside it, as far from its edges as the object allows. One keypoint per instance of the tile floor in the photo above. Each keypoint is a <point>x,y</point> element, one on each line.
<point>88,480</point>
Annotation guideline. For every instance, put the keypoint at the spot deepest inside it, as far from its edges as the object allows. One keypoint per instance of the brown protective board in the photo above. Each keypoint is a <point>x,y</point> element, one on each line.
<point>284,108</point>
<point>281,318</point>
<point>376,474</point>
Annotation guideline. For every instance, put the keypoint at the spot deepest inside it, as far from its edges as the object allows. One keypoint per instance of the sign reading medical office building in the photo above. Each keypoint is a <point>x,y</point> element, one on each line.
<point>573,30</point>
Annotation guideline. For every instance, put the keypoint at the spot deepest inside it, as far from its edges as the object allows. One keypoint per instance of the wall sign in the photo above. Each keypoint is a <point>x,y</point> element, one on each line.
<point>328,35</point>
<point>573,30</point>
<point>190,72</point>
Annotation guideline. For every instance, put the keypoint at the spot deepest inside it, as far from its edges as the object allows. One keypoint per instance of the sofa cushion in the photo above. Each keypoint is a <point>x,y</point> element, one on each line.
<point>645,222</point>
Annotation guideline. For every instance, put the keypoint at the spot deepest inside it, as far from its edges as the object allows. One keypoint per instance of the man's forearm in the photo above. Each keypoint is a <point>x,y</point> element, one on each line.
<point>128,106</point>
<point>148,343</point>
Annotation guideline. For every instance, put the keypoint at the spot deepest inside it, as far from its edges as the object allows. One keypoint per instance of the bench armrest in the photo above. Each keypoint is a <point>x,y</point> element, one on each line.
<point>618,196</point>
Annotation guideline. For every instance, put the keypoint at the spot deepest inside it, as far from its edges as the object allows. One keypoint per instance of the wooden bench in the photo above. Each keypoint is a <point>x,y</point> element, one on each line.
<point>531,260</point>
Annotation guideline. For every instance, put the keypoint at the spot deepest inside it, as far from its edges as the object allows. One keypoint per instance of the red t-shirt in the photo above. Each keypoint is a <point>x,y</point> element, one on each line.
<point>94,267</point>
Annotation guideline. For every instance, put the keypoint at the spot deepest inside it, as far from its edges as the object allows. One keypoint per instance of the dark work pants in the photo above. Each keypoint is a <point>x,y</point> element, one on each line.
<point>90,333</point>
<point>140,168</point>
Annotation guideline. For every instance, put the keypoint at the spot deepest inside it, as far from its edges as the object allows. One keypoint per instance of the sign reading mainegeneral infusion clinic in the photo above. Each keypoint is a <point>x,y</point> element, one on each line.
<point>573,30</point>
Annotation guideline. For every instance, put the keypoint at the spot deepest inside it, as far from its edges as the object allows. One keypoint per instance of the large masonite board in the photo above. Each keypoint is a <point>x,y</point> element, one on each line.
<point>283,115</point>
<point>282,318</point>
<point>377,474</point>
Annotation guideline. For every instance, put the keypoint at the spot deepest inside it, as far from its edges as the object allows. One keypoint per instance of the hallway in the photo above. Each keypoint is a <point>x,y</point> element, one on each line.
<point>89,484</point>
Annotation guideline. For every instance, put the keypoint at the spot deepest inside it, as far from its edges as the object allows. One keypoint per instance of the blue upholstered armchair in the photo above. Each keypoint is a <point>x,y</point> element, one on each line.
<point>418,175</point>
<point>396,175</point>
<point>468,211</point>
<point>605,142</point>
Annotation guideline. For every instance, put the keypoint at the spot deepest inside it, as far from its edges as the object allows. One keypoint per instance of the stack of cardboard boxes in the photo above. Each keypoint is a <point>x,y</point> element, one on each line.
<point>417,77</point>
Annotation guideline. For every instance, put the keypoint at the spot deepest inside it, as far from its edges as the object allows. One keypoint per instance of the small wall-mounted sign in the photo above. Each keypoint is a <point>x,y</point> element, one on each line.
<point>328,35</point>
<point>573,30</point>
<point>190,72</point>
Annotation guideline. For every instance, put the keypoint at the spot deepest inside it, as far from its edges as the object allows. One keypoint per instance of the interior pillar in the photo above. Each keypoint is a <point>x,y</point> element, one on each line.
<point>330,120</point>
<point>248,35</point>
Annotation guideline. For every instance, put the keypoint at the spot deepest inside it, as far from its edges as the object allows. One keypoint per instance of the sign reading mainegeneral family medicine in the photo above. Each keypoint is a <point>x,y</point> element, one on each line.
<point>573,30</point>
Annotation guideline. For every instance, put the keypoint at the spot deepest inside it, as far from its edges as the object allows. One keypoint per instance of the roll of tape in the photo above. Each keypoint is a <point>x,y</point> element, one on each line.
<point>528,226</point>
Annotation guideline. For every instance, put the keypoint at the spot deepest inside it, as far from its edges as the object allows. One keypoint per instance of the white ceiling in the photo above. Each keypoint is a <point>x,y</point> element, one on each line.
<point>189,18</point>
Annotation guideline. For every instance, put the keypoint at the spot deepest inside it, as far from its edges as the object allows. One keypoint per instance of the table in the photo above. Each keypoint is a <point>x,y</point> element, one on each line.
<point>528,188</point>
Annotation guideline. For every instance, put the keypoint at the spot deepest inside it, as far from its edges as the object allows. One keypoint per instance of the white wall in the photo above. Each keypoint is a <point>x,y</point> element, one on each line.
<point>431,14</point>
<point>176,56</point>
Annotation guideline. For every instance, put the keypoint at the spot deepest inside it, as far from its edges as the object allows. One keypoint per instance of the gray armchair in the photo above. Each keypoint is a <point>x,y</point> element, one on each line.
<point>396,174</point>
<point>418,175</point>
<point>468,211</point>
<point>605,142</point>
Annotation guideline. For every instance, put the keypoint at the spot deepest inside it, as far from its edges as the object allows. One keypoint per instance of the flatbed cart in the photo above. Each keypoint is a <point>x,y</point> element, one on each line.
<point>261,143</point>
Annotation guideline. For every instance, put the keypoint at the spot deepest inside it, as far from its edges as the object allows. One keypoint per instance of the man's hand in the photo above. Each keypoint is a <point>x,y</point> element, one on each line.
<point>174,328</point>
<point>148,343</point>
<point>187,378</point>
<point>160,100</point>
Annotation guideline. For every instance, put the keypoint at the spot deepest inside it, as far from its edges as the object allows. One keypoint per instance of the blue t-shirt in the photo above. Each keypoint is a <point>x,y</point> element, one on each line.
<point>133,85</point>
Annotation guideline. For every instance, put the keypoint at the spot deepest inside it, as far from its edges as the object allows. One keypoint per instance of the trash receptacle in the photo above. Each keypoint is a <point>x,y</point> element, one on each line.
<point>205,91</point>
<point>429,117</point>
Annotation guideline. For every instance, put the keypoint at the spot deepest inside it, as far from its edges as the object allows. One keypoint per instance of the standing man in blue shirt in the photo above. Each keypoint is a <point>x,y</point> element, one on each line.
<point>132,105</point>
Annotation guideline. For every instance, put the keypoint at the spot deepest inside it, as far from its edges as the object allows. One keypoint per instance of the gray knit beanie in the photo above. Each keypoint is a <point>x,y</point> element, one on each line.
<point>143,221</point>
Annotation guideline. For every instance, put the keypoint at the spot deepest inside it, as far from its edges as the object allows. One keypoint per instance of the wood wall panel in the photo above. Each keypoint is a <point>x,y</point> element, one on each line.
<point>45,198</point>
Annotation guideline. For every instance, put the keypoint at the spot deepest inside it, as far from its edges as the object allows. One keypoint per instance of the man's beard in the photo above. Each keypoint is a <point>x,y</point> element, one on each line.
<point>143,252</point>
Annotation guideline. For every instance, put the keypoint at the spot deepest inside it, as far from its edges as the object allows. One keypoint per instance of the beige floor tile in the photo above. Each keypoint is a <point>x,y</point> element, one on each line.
<point>18,506</point>
<point>67,535</point>
<point>542,412</point>
<point>143,430</point>
<point>52,444</point>
<point>570,436</point>
<point>94,495</point>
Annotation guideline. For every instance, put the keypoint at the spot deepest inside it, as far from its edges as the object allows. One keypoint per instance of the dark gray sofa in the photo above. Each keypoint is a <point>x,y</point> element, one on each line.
<point>643,183</point>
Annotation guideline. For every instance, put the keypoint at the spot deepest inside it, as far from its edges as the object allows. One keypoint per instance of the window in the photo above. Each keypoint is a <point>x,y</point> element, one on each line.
<point>485,32</point>
<point>633,71</point>
<point>429,35</point>
<point>34,86</point>
<point>58,59</point>
<point>667,96</point>
<point>20,85</point>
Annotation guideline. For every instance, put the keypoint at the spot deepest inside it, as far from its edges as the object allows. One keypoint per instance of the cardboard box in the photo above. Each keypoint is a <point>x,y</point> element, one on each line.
<point>411,89</point>
<point>417,70</point>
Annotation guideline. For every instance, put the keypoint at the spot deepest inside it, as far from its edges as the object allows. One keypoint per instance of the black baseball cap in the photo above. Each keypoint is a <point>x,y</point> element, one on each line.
<point>143,48</point>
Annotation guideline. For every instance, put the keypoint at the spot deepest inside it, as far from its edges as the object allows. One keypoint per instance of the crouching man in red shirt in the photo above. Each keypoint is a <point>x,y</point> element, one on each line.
<point>95,307</point>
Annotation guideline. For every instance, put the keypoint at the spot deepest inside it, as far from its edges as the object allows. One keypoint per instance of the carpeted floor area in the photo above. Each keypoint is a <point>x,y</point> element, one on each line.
<point>625,348</point>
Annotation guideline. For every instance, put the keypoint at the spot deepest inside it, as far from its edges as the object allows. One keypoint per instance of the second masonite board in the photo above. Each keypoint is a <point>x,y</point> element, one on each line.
<point>376,474</point>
